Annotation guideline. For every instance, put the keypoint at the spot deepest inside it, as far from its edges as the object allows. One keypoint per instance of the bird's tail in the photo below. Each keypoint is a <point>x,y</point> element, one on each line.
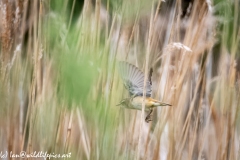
<point>157,103</point>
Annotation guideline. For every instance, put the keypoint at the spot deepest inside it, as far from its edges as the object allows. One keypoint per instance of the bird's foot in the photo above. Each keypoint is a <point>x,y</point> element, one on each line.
<point>148,119</point>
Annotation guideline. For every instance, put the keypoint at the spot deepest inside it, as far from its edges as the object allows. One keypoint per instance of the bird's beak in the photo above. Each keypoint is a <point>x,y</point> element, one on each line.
<point>119,104</point>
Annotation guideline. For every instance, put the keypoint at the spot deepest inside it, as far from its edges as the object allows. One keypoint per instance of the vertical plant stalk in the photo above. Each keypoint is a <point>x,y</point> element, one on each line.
<point>22,126</point>
<point>145,82</point>
<point>97,21</point>
<point>70,20</point>
<point>36,82</point>
<point>69,131</point>
<point>84,135</point>
<point>110,81</point>
<point>131,36</point>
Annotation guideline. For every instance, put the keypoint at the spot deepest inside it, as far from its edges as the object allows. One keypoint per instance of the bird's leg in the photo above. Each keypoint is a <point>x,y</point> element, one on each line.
<point>148,118</point>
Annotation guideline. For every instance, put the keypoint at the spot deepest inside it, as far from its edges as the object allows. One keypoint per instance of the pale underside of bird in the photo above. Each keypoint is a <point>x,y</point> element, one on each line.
<point>133,79</point>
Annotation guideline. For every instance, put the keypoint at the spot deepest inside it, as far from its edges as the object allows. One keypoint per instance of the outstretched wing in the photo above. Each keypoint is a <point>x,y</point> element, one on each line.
<point>133,79</point>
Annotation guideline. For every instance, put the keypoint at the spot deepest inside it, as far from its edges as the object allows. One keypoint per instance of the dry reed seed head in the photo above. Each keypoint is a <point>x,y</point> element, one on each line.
<point>181,46</point>
<point>6,33</point>
<point>176,46</point>
<point>15,53</point>
<point>209,4</point>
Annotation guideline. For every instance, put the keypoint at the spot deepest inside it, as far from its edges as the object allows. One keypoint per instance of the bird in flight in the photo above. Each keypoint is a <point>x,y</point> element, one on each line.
<point>133,79</point>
